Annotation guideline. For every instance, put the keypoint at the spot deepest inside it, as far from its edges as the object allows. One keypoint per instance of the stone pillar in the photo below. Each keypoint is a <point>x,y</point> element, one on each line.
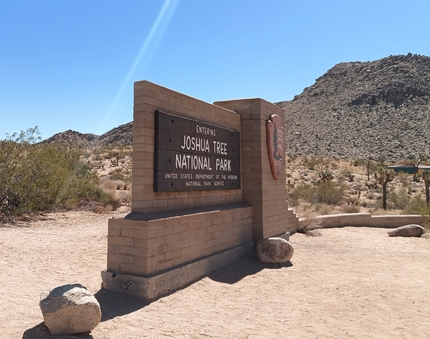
<point>266,195</point>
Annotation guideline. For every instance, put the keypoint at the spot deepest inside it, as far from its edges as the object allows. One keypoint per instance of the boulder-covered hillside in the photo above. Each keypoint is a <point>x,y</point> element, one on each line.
<point>367,110</point>
<point>356,110</point>
<point>121,135</point>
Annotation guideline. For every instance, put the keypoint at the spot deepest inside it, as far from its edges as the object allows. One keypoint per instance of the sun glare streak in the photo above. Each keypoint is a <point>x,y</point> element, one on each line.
<point>156,33</point>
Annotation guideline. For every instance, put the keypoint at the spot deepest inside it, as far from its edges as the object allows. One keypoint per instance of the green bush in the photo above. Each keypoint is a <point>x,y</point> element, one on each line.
<point>37,177</point>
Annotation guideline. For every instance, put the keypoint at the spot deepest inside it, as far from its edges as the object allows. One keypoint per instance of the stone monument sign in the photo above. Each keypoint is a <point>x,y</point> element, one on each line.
<point>203,191</point>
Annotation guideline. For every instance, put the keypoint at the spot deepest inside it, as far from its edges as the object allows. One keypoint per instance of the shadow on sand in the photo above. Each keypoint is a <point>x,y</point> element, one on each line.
<point>241,268</point>
<point>41,332</point>
<point>114,304</point>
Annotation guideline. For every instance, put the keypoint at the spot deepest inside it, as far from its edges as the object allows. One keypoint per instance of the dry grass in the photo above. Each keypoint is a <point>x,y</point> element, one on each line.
<point>308,222</point>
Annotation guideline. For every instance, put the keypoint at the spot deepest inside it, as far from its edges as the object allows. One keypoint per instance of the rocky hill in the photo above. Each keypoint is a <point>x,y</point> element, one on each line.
<point>73,138</point>
<point>367,110</point>
<point>121,135</point>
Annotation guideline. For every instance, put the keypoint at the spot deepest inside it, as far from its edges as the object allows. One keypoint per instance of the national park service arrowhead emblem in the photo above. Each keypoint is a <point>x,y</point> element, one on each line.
<point>275,143</point>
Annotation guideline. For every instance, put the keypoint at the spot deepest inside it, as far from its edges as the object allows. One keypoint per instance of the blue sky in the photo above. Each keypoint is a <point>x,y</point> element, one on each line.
<point>71,64</point>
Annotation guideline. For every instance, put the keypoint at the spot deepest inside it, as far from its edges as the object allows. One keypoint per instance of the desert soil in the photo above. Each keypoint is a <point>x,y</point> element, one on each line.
<point>348,282</point>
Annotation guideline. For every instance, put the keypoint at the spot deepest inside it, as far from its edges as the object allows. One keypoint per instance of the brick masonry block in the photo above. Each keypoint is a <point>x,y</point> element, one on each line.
<point>119,240</point>
<point>119,258</point>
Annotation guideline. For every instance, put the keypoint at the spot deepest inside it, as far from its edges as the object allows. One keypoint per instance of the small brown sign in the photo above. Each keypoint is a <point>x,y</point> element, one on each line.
<point>275,144</point>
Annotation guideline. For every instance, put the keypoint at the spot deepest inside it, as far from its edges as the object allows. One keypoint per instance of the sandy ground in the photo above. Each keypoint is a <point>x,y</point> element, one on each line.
<point>347,283</point>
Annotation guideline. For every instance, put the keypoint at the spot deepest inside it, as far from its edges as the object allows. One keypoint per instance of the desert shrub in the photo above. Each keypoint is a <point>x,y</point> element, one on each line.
<point>120,184</point>
<point>326,175</point>
<point>313,162</point>
<point>398,200</point>
<point>350,208</point>
<point>123,196</point>
<point>38,176</point>
<point>403,178</point>
<point>323,209</point>
<point>112,185</point>
<point>97,153</point>
<point>108,185</point>
<point>106,198</point>
<point>299,192</point>
<point>346,174</point>
<point>418,205</point>
<point>359,162</point>
<point>328,192</point>
<point>120,174</point>
<point>308,222</point>
<point>334,165</point>
<point>291,158</point>
<point>425,212</point>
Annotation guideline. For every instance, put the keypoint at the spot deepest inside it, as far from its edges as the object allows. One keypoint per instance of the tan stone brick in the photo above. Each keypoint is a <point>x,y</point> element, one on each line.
<point>164,230</point>
<point>173,246</point>
<point>114,230</point>
<point>130,269</point>
<point>116,258</point>
<point>154,262</point>
<point>134,232</point>
<point>156,242</point>
<point>140,261</point>
<point>179,260</point>
<point>155,251</point>
<point>179,228</point>
<point>174,237</point>
<point>172,254</point>
<point>133,251</point>
<point>119,240</point>
<point>141,243</point>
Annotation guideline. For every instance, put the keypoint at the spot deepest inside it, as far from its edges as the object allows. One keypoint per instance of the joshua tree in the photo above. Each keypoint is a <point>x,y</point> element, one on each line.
<point>426,178</point>
<point>416,165</point>
<point>368,170</point>
<point>383,177</point>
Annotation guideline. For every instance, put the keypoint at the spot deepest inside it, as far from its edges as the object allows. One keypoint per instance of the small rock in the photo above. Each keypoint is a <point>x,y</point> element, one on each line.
<point>407,231</point>
<point>274,250</point>
<point>70,309</point>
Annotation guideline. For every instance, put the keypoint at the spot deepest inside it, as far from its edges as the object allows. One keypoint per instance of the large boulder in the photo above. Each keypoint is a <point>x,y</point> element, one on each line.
<point>407,231</point>
<point>274,250</point>
<point>70,309</point>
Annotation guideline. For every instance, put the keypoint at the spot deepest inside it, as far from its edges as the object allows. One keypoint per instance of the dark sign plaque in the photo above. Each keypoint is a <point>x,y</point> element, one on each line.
<point>191,155</point>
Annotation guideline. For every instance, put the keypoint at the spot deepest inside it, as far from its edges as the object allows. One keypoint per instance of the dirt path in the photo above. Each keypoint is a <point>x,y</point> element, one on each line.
<point>346,283</point>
